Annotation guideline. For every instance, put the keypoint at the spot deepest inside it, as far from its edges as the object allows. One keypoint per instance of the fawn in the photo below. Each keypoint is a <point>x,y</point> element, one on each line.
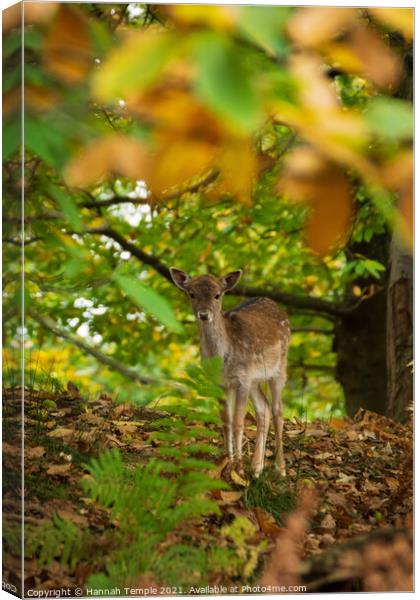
<point>253,340</point>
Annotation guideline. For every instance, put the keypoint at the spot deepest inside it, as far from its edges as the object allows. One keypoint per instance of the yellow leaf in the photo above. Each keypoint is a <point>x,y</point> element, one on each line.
<point>238,479</point>
<point>178,160</point>
<point>230,497</point>
<point>239,165</point>
<point>401,19</point>
<point>324,186</point>
<point>216,17</point>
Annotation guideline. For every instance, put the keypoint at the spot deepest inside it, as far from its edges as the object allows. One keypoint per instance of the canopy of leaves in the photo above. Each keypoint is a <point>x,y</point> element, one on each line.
<point>211,138</point>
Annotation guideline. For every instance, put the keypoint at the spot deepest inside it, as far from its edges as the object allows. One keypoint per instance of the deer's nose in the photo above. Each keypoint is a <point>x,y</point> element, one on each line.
<point>204,316</point>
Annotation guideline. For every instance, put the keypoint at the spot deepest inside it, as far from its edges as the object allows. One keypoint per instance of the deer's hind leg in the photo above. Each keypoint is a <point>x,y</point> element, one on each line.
<point>276,387</point>
<point>262,410</point>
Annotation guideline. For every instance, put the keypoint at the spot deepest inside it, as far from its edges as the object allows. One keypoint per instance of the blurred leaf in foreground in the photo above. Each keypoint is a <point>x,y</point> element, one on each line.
<point>149,300</point>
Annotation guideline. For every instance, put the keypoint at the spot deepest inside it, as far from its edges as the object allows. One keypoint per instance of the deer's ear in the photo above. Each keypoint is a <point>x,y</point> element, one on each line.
<point>231,279</point>
<point>179,277</point>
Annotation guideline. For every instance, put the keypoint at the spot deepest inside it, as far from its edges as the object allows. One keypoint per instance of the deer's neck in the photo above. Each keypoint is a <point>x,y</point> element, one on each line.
<point>213,337</point>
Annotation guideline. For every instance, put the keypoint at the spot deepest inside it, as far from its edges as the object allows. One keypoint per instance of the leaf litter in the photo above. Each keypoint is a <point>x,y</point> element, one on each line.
<point>359,469</point>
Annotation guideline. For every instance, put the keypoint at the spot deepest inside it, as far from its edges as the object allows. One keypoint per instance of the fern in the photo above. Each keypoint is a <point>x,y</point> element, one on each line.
<point>151,501</point>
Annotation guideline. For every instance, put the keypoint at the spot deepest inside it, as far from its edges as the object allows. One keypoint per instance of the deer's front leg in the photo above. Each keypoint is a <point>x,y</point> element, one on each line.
<point>239,418</point>
<point>226,414</point>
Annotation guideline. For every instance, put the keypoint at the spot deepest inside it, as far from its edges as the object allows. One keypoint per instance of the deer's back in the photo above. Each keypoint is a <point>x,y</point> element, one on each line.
<point>259,333</point>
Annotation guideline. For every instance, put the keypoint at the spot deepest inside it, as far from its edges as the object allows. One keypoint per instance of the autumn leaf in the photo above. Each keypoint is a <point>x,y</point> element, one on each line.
<point>111,154</point>
<point>67,51</point>
<point>324,186</point>
<point>313,26</point>
<point>62,470</point>
<point>380,63</point>
<point>215,17</point>
<point>134,65</point>
<point>401,19</point>
<point>178,161</point>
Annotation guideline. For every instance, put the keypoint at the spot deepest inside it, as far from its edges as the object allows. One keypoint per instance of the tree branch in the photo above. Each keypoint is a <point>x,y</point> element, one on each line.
<point>303,302</point>
<point>52,326</point>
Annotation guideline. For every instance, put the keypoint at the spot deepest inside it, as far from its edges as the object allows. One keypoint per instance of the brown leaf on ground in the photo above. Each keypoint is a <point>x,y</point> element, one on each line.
<point>62,470</point>
<point>267,522</point>
<point>228,497</point>
<point>34,451</point>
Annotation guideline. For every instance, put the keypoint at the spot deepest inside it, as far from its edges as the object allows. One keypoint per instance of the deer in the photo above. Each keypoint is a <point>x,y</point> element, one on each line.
<point>252,339</point>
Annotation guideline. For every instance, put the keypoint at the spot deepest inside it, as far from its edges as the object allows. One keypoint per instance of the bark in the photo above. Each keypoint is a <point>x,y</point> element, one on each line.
<point>399,332</point>
<point>360,342</point>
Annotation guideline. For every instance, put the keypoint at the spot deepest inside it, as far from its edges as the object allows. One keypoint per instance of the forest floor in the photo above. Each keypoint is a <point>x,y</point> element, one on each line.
<point>360,471</point>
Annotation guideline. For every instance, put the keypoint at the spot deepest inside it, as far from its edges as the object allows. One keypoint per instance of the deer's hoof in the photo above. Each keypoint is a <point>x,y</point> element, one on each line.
<point>281,470</point>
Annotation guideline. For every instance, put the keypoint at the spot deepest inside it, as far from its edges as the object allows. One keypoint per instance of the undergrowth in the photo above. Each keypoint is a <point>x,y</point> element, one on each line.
<point>153,506</point>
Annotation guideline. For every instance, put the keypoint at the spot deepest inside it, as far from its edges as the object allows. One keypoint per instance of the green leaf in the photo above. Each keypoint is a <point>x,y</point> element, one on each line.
<point>67,205</point>
<point>12,132</point>
<point>265,26</point>
<point>390,117</point>
<point>149,300</point>
<point>223,81</point>
<point>45,141</point>
<point>134,65</point>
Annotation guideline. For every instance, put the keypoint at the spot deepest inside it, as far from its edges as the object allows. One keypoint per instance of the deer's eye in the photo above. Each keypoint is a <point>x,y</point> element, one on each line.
<point>191,295</point>
<point>217,296</point>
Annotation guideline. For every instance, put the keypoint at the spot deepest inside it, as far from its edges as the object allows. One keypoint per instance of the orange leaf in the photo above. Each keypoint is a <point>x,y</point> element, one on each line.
<point>380,64</point>
<point>312,26</point>
<point>179,160</point>
<point>239,165</point>
<point>311,178</point>
<point>316,91</point>
<point>266,522</point>
<point>112,154</point>
<point>67,51</point>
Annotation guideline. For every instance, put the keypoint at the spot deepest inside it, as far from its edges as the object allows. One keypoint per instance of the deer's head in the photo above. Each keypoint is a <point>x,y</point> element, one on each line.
<point>205,291</point>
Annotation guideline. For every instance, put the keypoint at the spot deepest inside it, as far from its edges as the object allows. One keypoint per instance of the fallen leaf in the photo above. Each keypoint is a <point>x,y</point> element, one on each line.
<point>328,522</point>
<point>72,516</point>
<point>228,497</point>
<point>61,432</point>
<point>266,522</point>
<point>59,469</point>
<point>34,452</point>
<point>238,479</point>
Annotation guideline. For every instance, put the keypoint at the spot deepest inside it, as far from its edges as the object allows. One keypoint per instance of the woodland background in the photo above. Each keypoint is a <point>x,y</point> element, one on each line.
<point>273,139</point>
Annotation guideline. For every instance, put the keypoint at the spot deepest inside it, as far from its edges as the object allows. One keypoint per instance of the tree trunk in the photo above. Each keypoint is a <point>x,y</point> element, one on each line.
<point>399,332</point>
<point>360,341</point>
